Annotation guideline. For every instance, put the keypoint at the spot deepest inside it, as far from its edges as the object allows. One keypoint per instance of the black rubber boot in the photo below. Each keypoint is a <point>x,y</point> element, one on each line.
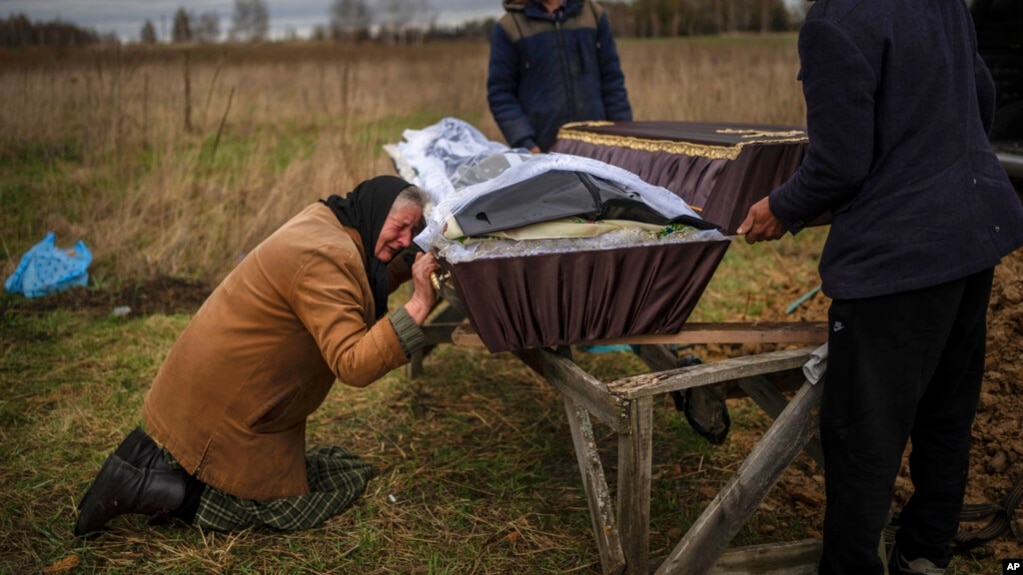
<point>139,450</point>
<point>704,407</point>
<point>122,488</point>
<point>707,413</point>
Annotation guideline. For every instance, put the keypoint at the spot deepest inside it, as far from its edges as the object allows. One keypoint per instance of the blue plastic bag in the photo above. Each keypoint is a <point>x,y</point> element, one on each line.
<point>47,269</point>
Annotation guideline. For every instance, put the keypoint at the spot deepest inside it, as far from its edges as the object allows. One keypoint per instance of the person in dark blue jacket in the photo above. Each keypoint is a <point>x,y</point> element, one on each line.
<point>899,105</point>
<point>553,62</point>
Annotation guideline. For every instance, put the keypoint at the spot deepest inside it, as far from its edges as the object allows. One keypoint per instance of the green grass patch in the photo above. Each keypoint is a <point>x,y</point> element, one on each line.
<point>30,176</point>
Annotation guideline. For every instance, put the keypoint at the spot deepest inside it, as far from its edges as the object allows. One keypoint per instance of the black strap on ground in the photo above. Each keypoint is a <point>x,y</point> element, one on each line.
<point>999,517</point>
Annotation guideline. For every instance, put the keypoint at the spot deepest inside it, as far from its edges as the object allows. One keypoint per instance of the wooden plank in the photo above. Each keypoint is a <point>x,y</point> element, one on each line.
<point>700,548</point>
<point>609,543</point>
<point>773,402</point>
<point>439,332</point>
<point>464,335</point>
<point>734,332</point>
<point>658,357</point>
<point>786,558</point>
<point>635,454</point>
<point>436,333</point>
<point>706,373</point>
<point>571,380</point>
<point>790,558</point>
<point>697,333</point>
<point>437,328</point>
<point>414,367</point>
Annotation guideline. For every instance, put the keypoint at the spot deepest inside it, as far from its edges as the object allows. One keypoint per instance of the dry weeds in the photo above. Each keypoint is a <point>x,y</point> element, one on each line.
<point>157,185</point>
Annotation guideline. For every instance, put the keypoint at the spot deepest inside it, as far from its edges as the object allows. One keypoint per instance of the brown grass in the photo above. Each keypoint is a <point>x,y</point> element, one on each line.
<point>274,128</point>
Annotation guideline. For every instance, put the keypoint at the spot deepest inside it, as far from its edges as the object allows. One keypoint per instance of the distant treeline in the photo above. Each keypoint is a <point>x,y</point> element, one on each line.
<point>414,21</point>
<point>662,18</point>
<point>18,30</point>
<point>353,19</point>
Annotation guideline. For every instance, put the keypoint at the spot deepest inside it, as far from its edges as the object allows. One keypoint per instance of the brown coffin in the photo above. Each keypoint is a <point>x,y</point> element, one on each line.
<point>568,298</point>
<point>718,169</point>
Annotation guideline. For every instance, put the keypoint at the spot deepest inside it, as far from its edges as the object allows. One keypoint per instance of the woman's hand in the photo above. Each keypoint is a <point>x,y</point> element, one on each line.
<point>423,297</point>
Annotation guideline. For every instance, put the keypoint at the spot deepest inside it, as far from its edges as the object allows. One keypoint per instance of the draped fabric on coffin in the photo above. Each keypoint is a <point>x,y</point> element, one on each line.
<point>567,298</point>
<point>564,298</point>
<point>718,169</point>
<point>572,297</point>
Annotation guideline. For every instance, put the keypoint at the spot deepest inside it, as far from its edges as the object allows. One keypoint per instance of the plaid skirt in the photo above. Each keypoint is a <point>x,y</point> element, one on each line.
<point>336,478</point>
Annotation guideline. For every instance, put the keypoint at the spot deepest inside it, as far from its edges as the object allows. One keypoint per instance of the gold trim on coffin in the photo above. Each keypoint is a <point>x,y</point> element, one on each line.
<point>568,132</point>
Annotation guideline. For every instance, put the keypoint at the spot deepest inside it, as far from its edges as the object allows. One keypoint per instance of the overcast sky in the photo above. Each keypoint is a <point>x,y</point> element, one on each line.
<point>125,17</point>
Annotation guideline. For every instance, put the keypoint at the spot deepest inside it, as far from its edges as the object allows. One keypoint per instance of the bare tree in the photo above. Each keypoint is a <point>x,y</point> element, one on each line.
<point>696,17</point>
<point>18,30</point>
<point>251,20</point>
<point>349,19</point>
<point>207,29</point>
<point>148,33</point>
<point>260,20</point>
<point>426,17</point>
<point>181,30</point>
<point>399,14</point>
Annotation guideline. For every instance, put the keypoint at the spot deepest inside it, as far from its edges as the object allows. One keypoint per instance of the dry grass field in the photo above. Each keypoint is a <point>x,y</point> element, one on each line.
<point>172,163</point>
<point>175,161</point>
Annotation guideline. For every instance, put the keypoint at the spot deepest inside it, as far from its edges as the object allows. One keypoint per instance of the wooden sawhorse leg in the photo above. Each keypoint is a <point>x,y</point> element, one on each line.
<point>583,396</point>
<point>625,550</point>
<point>634,467</point>
<point>609,542</point>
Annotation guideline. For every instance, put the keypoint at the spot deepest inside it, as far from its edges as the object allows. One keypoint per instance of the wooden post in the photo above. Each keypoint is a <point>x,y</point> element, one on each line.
<point>609,542</point>
<point>634,466</point>
<point>438,327</point>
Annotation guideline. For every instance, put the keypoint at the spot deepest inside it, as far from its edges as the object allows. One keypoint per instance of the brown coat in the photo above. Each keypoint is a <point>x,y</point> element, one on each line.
<point>231,400</point>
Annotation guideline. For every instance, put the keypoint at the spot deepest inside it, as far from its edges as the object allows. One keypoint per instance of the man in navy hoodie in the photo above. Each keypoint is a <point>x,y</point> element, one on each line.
<point>553,62</point>
<point>899,105</point>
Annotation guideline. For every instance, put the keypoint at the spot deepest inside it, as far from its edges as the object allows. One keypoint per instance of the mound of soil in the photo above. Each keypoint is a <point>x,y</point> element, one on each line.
<point>996,463</point>
<point>997,455</point>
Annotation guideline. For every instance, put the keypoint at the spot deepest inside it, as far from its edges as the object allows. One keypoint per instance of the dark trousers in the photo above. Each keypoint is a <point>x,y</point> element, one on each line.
<point>902,367</point>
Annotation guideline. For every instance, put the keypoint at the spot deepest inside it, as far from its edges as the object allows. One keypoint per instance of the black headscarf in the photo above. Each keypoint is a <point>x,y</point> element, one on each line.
<point>365,208</point>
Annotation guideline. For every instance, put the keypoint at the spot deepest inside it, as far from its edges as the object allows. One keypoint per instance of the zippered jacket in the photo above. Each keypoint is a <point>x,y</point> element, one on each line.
<point>549,69</point>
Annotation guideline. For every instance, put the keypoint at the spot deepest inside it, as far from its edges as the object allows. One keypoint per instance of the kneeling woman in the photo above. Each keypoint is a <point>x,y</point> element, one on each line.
<point>224,446</point>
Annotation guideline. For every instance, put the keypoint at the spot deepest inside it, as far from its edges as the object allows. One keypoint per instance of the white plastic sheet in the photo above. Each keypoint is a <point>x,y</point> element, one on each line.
<point>455,164</point>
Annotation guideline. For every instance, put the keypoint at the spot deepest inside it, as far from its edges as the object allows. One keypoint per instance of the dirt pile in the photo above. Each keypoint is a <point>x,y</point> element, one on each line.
<point>996,463</point>
<point>997,455</point>
<point>162,294</point>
